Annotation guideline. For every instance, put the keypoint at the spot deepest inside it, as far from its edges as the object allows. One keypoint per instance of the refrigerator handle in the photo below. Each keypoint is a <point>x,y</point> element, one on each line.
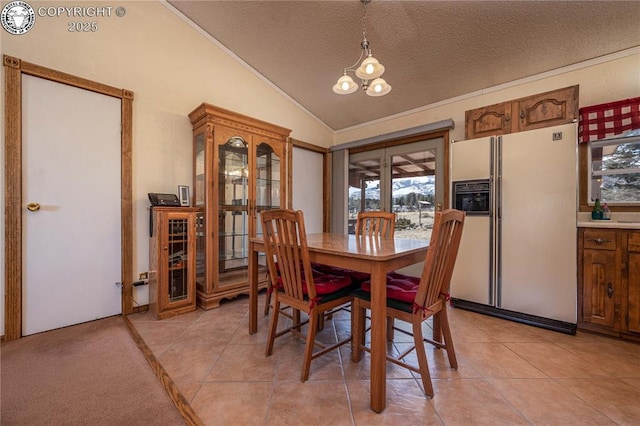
<point>498,225</point>
<point>498,204</point>
<point>492,224</point>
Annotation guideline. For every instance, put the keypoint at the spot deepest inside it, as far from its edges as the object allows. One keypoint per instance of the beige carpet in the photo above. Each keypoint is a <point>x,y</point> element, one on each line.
<point>88,374</point>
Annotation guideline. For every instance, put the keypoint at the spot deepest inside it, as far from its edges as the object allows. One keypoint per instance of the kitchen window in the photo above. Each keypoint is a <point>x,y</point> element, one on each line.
<point>615,169</point>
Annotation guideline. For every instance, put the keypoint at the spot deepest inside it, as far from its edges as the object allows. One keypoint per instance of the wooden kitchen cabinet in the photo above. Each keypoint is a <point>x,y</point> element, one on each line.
<point>241,168</point>
<point>633,279</point>
<point>599,280</point>
<point>491,120</point>
<point>546,109</point>
<point>172,261</point>
<point>609,281</point>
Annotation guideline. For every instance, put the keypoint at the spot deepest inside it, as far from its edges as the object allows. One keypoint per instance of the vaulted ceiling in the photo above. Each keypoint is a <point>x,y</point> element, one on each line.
<point>432,50</point>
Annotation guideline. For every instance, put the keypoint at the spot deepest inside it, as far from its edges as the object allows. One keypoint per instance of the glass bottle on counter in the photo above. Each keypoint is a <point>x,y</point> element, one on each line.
<point>596,213</point>
<point>606,212</point>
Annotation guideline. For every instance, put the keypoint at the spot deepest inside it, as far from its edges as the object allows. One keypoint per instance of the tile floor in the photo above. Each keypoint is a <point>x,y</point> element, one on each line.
<point>508,373</point>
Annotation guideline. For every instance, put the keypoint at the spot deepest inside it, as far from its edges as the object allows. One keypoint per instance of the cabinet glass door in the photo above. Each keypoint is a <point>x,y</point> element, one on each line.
<point>199,169</point>
<point>199,185</point>
<point>268,182</point>
<point>178,252</point>
<point>267,178</point>
<point>233,209</point>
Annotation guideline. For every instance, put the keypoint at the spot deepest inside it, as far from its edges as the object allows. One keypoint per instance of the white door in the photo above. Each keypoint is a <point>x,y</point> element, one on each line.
<point>71,169</point>
<point>539,223</point>
<point>307,192</point>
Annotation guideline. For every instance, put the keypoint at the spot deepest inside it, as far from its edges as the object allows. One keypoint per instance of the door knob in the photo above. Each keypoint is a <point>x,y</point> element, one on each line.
<point>33,207</point>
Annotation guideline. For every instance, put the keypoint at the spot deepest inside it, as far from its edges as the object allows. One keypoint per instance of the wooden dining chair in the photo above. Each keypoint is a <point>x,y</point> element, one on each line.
<point>373,224</point>
<point>376,224</point>
<point>414,301</point>
<point>296,285</point>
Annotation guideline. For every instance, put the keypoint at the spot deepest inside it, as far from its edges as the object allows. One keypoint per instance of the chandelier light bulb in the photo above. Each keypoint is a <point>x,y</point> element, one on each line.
<point>378,87</point>
<point>345,85</point>
<point>370,68</point>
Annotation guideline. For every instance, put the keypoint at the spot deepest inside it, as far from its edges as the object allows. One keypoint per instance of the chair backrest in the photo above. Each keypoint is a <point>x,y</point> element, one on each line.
<point>441,257</point>
<point>376,224</point>
<point>285,241</point>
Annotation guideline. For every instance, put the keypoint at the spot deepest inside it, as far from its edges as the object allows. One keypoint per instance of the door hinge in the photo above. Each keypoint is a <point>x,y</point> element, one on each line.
<point>626,319</point>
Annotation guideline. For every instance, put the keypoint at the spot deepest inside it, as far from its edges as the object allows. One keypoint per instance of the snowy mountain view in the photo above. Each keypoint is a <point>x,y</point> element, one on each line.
<point>401,188</point>
<point>412,202</point>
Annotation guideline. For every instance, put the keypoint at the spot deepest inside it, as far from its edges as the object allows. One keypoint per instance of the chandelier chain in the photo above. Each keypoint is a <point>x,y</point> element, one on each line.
<point>364,21</point>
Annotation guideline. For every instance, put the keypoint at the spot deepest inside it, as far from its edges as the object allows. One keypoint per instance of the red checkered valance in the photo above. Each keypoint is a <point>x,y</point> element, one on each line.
<point>604,120</point>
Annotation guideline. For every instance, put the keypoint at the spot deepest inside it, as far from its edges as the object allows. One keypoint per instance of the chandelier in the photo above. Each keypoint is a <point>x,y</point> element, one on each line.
<point>368,72</point>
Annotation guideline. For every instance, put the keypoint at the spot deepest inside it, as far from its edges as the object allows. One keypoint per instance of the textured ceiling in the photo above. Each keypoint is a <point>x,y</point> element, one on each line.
<point>432,50</point>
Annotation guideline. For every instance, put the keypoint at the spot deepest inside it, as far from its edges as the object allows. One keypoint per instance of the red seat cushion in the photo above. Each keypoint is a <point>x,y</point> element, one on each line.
<point>325,283</point>
<point>356,276</point>
<point>399,287</point>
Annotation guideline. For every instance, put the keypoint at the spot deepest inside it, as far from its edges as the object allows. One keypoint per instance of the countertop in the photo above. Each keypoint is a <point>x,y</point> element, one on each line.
<point>618,220</point>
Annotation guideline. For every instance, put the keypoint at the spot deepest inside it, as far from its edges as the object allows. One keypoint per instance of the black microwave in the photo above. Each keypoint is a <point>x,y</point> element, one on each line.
<point>472,196</point>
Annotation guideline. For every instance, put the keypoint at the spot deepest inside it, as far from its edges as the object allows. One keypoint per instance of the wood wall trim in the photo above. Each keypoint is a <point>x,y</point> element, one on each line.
<point>401,141</point>
<point>13,199</point>
<point>309,146</point>
<point>14,68</point>
<point>126,202</point>
<point>326,192</point>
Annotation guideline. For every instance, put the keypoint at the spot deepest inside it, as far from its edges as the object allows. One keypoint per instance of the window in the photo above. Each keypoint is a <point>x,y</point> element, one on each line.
<point>615,169</point>
<point>405,179</point>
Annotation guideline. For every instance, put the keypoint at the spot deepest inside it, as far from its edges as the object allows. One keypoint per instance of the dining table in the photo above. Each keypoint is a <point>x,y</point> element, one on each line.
<point>374,255</point>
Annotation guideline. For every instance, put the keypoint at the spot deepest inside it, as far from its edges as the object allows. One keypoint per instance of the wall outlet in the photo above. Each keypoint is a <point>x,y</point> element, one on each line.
<point>143,276</point>
<point>557,136</point>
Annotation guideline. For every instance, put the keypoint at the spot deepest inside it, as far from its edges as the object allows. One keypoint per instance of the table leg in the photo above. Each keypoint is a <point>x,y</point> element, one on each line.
<point>253,290</point>
<point>378,338</point>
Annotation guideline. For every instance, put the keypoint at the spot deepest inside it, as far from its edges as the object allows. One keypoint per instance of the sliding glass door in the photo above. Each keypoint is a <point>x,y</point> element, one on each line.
<point>405,179</point>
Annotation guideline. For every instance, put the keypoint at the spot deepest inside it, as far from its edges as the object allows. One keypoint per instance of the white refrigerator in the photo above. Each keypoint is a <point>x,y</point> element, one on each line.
<point>519,260</point>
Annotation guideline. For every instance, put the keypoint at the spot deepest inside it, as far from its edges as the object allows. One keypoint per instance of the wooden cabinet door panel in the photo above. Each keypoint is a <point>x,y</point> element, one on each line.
<point>633,285</point>
<point>492,120</point>
<point>547,109</point>
<point>634,292</point>
<point>599,287</point>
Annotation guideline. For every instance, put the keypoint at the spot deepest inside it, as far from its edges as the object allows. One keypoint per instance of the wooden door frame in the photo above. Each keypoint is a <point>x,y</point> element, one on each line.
<point>14,68</point>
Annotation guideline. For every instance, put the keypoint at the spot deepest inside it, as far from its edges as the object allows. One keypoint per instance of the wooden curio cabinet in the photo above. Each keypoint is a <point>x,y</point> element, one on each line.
<point>172,255</point>
<point>241,167</point>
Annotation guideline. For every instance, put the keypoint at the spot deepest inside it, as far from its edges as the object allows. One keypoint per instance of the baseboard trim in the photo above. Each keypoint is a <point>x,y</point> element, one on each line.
<point>546,323</point>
